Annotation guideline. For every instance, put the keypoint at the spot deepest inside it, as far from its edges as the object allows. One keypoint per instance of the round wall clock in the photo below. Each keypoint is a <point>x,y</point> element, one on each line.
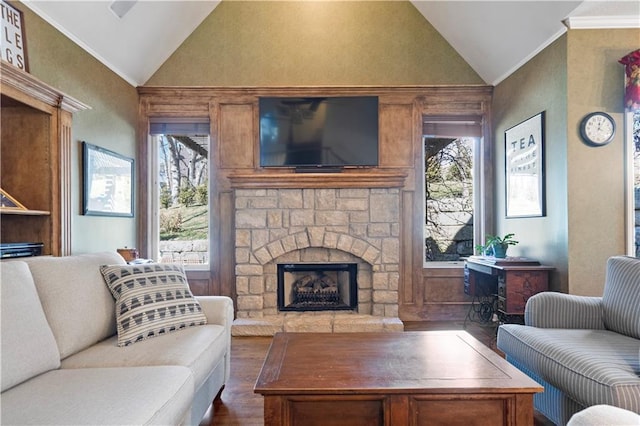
<point>597,129</point>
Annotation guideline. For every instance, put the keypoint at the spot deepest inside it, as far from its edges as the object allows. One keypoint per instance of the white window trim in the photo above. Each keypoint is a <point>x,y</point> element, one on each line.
<point>629,148</point>
<point>479,212</point>
<point>153,197</point>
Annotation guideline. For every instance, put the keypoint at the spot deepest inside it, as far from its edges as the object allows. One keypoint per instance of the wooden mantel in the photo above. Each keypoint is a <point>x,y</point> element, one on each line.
<point>377,179</point>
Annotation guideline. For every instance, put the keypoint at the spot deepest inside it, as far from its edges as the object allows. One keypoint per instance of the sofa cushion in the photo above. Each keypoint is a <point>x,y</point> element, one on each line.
<point>198,348</point>
<point>590,366</point>
<point>598,415</point>
<point>28,345</point>
<point>102,396</point>
<point>151,300</point>
<point>621,296</point>
<point>78,306</point>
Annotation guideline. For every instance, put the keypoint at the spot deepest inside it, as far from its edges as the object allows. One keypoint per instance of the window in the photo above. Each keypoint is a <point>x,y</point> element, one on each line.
<point>180,154</point>
<point>452,146</point>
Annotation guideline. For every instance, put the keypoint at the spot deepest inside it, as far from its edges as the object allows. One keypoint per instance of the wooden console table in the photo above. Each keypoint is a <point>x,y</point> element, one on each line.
<point>510,282</point>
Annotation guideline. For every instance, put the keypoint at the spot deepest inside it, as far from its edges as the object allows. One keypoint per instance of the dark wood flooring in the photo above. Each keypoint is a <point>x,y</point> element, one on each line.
<point>239,406</point>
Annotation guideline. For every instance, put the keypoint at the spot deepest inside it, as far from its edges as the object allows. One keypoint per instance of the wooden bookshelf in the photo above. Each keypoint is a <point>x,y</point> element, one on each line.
<point>36,160</point>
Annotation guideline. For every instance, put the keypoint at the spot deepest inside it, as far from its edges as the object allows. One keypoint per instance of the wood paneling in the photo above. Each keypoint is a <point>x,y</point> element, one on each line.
<point>237,131</point>
<point>199,282</point>
<point>235,147</point>
<point>396,135</point>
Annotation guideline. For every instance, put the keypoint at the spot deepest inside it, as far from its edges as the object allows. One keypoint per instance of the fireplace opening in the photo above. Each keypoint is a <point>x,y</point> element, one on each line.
<point>317,286</point>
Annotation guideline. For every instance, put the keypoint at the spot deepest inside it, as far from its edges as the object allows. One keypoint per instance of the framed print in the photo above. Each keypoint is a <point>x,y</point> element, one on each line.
<point>7,202</point>
<point>108,182</point>
<point>524,168</point>
<point>14,41</point>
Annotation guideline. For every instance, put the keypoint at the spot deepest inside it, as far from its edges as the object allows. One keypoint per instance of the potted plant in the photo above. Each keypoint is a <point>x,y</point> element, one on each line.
<point>499,245</point>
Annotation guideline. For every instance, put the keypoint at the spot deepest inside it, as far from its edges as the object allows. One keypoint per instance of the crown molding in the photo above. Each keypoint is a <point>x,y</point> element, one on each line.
<point>602,22</point>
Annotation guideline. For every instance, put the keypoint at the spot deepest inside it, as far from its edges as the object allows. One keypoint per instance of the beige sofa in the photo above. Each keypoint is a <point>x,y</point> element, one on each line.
<point>61,363</point>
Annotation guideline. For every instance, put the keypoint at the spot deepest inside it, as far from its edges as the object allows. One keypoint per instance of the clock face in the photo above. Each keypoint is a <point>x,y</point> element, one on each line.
<point>597,128</point>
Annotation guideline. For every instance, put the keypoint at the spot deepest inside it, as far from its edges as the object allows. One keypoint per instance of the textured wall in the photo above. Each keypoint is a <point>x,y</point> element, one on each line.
<point>596,185</point>
<point>110,123</point>
<point>585,222</point>
<point>283,43</point>
<point>540,85</point>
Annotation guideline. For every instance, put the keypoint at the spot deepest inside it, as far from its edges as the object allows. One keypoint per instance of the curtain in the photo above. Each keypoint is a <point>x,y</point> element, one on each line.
<point>631,63</point>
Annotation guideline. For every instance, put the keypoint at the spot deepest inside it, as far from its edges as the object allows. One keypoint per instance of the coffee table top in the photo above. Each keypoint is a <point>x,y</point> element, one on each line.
<point>400,362</point>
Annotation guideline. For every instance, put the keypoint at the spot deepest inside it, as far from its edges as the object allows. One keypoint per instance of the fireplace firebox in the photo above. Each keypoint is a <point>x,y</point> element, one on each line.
<point>317,286</point>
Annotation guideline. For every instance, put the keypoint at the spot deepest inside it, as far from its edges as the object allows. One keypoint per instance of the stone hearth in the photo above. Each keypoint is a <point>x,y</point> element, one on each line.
<point>316,226</point>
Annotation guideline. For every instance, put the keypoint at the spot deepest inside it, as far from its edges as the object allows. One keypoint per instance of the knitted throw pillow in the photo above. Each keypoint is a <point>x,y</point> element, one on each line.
<point>151,299</point>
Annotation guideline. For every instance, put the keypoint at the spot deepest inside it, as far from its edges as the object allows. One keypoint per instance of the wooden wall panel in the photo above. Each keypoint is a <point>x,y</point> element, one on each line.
<point>199,282</point>
<point>236,135</point>
<point>227,258</point>
<point>424,294</point>
<point>396,135</point>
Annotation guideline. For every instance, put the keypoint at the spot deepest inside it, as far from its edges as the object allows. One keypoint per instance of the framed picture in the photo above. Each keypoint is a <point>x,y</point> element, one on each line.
<point>7,202</point>
<point>108,182</point>
<point>524,168</point>
<point>14,41</point>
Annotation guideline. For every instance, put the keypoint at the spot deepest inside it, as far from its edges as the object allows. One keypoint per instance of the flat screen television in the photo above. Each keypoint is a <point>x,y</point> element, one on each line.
<point>316,132</point>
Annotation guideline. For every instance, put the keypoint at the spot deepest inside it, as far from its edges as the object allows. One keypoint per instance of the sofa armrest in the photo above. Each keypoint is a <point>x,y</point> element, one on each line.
<point>559,310</point>
<point>217,309</point>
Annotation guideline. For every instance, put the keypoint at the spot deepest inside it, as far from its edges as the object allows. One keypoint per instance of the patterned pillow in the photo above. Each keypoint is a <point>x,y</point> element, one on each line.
<point>151,299</point>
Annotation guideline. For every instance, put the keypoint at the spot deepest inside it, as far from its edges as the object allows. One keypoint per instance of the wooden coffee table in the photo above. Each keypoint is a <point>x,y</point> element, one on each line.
<point>403,378</point>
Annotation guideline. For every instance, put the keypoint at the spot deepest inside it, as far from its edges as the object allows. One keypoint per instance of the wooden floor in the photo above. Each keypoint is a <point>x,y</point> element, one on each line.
<point>239,406</point>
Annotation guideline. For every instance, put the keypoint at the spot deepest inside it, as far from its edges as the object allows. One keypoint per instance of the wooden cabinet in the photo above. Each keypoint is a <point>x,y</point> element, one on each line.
<point>35,161</point>
<point>515,287</point>
<point>512,281</point>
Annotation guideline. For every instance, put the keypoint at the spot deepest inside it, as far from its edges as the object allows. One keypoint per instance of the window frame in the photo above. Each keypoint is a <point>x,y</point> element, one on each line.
<point>151,200</point>
<point>482,183</point>
<point>629,151</point>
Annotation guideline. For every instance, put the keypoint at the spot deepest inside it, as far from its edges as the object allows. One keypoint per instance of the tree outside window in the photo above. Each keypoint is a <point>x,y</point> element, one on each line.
<point>183,208</point>
<point>449,208</point>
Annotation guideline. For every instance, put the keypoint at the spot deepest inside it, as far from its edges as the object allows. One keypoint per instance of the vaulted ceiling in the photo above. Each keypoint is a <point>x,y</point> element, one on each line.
<point>494,37</point>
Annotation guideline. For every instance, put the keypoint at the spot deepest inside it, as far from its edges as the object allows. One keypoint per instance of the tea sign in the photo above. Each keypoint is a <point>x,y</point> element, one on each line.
<point>524,168</point>
<point>13,43</point>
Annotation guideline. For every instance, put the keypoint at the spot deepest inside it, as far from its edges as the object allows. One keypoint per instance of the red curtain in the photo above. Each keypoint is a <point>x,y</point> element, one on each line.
<point>631,64</point>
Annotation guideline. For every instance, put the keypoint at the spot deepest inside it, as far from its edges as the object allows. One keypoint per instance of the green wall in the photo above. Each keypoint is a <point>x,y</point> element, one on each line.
<point>585,221</point>
<point>596,184</point>
<point>540,85</point>
<point>313,43</point>
<point>241,44</point>
<point>111,123</point>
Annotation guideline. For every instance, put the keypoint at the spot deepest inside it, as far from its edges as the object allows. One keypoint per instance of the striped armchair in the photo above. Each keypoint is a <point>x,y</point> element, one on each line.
<point>584,350</point>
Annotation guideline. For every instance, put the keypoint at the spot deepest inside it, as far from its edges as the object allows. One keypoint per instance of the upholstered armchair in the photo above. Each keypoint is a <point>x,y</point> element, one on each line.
<point>584,350</point>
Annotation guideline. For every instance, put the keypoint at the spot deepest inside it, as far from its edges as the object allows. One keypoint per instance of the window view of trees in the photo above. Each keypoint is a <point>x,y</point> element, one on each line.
<point>183,176</point>
<point>449,198</point>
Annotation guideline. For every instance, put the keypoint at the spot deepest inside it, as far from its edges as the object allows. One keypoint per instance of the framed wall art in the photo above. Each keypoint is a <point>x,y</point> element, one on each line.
<point>524,168</point>
<point>107,181</point>
<point>14,41</point>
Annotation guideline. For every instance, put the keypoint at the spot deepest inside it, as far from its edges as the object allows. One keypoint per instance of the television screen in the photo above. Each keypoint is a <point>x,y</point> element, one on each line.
<point>318,131</point>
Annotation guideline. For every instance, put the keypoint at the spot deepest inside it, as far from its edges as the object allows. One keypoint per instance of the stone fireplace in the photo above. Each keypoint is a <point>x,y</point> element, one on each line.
<point>317,226</point>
